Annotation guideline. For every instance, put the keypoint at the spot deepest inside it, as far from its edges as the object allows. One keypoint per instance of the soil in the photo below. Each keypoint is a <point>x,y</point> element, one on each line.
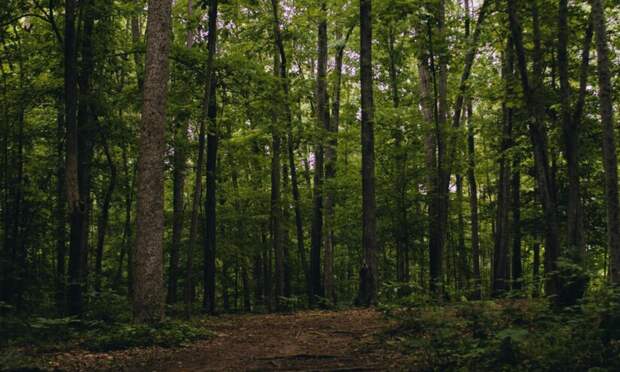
<point>347,340</point>
<point>311,340</point>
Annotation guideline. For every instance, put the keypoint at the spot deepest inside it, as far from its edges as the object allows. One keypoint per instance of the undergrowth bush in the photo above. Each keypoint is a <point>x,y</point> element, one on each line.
<point>511,335</point>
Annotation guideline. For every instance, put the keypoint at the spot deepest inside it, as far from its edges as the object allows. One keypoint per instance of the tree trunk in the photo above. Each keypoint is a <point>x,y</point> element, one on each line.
<point>368,274</point>
<point>212,144</point>
<point>148,299</point>
<point>102,225</point>
<point>401,231</point>
<point>61,215</point>
<point>517,269</point>
<point>538,137</point>
<point>473,204</point>
<point>276,213</point>
<point>502,234</point>
<point>536,271</point>
<point>610,159</point>
<point>178,192</point>
<point>331,156</point>
<point>74,290</point>
<point>126,244</point>
<point>322,114</point>
<point>463,271</point>
<point>290,146</point>
<point>570,132</point>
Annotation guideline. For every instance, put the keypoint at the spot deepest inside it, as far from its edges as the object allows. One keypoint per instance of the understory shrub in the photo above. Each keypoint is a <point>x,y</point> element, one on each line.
<point>511,335</point>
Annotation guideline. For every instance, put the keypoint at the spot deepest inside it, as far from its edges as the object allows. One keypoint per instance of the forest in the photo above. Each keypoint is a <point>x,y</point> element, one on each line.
<point>426,185</point>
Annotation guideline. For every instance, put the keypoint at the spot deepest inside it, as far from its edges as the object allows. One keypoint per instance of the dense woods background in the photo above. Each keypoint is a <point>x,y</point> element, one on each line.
<point>242,155</point>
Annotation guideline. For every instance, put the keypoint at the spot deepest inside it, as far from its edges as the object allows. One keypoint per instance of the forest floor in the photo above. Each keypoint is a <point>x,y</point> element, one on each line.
<point>344,340</point>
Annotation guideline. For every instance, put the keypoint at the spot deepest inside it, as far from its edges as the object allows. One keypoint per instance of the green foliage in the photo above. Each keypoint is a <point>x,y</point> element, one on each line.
<point>122,336</point>
<point>511,335</point>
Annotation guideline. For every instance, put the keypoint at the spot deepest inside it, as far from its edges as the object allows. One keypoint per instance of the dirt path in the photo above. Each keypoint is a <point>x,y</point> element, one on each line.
<point>310,340</point>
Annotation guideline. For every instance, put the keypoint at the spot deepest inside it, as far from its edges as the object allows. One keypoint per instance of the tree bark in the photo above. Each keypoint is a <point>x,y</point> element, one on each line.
<point>148,299</point>
<point>211,169</point>
<point>368,274</point>
<point>76,210</point>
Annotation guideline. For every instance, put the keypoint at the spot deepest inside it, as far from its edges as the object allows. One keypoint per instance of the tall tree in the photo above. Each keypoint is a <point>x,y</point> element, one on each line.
<point>331,157</point>
<point>275,215</point>
<point>178,176</point>
<point>570,132</point>
<point>76,210</point>
<point>401,232</point>
<point>148,297</point>
<point>610,157</point>
<point>212,145</point>
<point>283,72</point>
<point>471,180</point>
<point>502,233</point>
<point>531,96</point>
<point>368,274</point>
<point>322,114</point>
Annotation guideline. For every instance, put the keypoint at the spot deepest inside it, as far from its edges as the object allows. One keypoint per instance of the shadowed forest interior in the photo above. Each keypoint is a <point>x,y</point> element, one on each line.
<point>172,171</point>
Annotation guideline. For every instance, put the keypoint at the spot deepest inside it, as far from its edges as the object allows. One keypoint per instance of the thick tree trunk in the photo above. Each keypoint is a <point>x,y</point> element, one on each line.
<point>610,158</point>
<point>368,274</point>
<point>76,211</point>
<point>148,299</point>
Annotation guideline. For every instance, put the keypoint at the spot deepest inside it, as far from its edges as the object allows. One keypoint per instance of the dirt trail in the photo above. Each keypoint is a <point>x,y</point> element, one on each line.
<point>309,340</point>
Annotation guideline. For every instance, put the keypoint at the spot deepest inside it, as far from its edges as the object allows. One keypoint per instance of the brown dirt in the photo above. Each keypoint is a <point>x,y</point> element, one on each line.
<point>305,341</point>
<point>310,340</point>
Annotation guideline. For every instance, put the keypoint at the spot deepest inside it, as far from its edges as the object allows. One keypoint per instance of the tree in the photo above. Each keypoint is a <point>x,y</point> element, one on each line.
<point>148,298</point>
<point>76,209</point>
<point>322,114</point>
<point>283,73</point>
<point>531,95</point>
<point>210,107</point>
<point>610,158</point>
<point>368,274</point>
<point>178,175</point>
